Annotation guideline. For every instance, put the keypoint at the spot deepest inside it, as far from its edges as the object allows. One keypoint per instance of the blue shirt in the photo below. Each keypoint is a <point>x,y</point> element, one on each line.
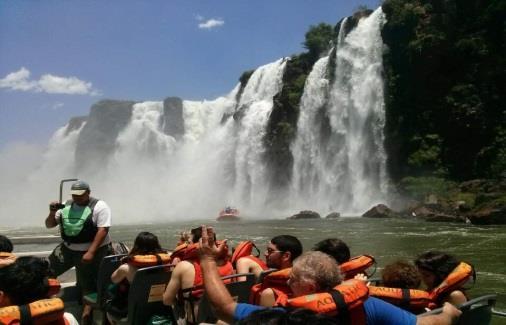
<point>377,312</point>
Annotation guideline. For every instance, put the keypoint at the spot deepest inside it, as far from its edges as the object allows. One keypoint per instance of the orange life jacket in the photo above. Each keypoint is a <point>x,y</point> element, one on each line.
<point>40,312</point>
<point>148,260</point>
<point>410,299</point>
<point>346,301</point>
<point>277,281</point>
<point>243,249</point>
<point>6,259</point>
<point>188,252</point>
<point>463,273</point>
<point>417,300</point>
<point>54,287</point>
<point>356,265</point>
<point>224,270</point>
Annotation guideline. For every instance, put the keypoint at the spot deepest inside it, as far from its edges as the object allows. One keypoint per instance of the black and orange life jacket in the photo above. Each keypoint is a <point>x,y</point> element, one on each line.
<point>417,300</point>
<point>346,301</point>
<point>409,299</point>
<point>40,312</point>
<point>356,265</point>
<point>245,249</point>
<point>148,260</point>
<point>277,281</point>
<point>188,252</point>
<point>53,285</point>
<point>224,270</point>
<point>457,278</point>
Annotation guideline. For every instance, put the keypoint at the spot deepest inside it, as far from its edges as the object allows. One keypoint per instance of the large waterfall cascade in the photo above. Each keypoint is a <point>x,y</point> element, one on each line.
<point>153,176</point>
<point>345,170</point>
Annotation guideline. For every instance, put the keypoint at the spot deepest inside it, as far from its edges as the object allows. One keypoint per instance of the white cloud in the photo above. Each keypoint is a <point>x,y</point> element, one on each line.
<point>18,80</point>
<point>57,105</point>
<point>211,23</point>
<point>48,83</point>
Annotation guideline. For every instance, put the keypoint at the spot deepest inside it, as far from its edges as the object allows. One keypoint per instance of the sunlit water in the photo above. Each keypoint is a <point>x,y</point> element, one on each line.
<point>385,239</point>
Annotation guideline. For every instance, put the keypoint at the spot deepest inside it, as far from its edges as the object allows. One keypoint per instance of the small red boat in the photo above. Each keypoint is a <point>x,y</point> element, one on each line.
<point>228,214</point>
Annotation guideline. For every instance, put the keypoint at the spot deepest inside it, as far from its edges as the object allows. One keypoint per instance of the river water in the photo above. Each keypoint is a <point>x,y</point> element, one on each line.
<point>385,239</point>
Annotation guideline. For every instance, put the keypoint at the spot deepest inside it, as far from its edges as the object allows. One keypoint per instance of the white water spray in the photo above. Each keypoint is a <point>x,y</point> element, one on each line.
<point>345,170</point>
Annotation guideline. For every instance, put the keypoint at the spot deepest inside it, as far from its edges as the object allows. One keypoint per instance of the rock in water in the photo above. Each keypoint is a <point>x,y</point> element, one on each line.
<point>305,214</point>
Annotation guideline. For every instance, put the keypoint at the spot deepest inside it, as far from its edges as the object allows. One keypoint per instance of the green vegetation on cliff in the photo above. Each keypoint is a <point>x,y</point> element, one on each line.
<point>445,86</point>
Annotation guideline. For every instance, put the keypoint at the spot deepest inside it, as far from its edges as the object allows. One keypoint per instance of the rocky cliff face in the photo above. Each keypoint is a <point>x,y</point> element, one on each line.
<point>98,137</point>
<point>75,123</point>
<point>173,123</point>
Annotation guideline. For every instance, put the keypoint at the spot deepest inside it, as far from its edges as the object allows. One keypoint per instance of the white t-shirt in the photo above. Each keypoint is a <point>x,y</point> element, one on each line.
<point>70,319</point>
<point>101,218</point>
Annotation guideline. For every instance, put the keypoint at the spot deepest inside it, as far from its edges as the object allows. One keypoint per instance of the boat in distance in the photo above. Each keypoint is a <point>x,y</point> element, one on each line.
<point>228,214</point>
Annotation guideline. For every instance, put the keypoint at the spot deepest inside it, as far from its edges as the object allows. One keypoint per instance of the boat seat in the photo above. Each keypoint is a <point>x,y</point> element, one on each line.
<point>146,294</point>
<point>107,267</point>
<point>477,311</point>
<point>263,274</point>
<point>239,290</point>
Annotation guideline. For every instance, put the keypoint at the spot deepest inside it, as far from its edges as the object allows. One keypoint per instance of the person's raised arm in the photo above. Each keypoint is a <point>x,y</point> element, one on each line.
<point>216,291</point>
<point>446,317</point>
<point>50,219</point>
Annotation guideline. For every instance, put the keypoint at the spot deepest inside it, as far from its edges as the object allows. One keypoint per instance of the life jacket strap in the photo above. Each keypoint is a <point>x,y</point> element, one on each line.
<point>406,298</point>
<point>342,307</point>
<point>25,315</point>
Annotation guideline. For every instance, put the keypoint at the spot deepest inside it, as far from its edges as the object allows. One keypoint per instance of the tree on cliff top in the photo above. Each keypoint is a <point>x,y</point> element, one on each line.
<point>318,40</point>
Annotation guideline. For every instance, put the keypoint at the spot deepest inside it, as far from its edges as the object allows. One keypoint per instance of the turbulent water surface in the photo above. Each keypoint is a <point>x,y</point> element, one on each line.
<point>387,240</point>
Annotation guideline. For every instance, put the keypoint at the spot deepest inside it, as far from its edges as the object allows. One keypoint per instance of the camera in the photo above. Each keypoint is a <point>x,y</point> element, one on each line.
<point>56,206</point>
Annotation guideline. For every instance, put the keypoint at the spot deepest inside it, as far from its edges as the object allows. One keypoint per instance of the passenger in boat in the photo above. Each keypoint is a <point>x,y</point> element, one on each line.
<point>249,263</point>
<point>25,281</point>
<point>350,267</point>
<point>145,243</point>
<point>434,267</point>
<point>6,256</point>
<point>188,274</point>
<point>5,244</point>
<point>280,253</point>
<point>84,227</point>
<point>401,274</point>
<point>311,273</point>
<point>335,248</point>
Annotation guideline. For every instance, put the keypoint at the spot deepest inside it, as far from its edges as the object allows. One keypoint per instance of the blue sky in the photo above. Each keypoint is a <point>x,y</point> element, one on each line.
<point>59,57</point>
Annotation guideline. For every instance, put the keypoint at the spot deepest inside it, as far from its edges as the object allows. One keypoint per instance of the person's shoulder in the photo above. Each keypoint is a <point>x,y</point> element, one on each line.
<point>245,260</point>
<point>456,297</point>
<point>380,312</point>
<point>183,266</point>
<point>101,204</point>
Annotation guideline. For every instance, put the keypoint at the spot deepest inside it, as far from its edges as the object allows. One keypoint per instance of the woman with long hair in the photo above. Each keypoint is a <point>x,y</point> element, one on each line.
<point>434,267</point>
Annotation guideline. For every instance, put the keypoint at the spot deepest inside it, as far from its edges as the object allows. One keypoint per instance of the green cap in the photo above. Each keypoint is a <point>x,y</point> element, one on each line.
<point>79,188</point>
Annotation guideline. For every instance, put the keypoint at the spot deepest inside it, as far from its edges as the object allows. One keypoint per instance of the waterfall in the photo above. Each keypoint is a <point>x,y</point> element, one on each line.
<point>181,159</point>
<point>216,162</point>
<point>339,158</point>
<point>256,102</point>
